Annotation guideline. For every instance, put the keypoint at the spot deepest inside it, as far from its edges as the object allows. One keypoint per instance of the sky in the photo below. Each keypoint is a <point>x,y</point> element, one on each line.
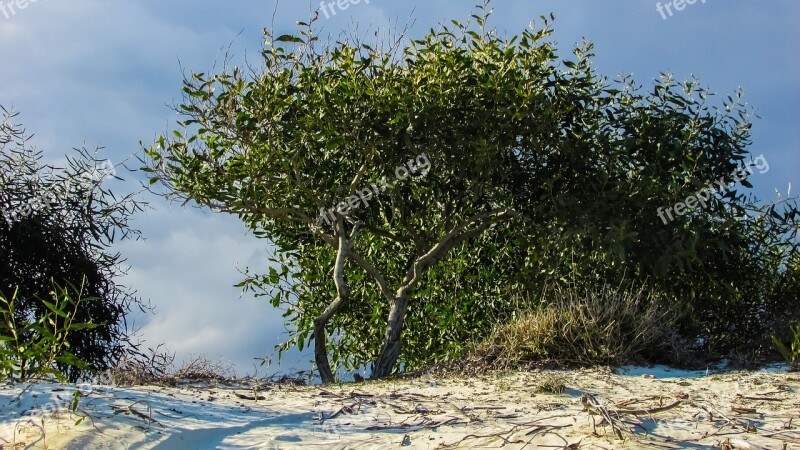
<point>106,73</point>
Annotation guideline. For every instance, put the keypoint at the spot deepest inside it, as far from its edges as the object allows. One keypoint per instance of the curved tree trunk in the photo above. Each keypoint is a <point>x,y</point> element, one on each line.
<point>343,293</point>
<point>392,344</point>
<point>321,352</point>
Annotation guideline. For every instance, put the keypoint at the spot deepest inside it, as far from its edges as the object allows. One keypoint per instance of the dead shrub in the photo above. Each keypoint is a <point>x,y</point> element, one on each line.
<point>138,368</point>
<point>203,369</point>
<point>157,367</point>
<point>553,383</point>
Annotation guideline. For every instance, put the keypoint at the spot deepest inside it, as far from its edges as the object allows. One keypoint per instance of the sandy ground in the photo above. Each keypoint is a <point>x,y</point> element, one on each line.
<point>634,408</point>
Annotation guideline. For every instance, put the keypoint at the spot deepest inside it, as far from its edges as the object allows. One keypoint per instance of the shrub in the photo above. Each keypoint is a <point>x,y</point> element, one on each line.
<point>200,368</point>
<point>551,384</point>
<point>59,224</point>
<point>139,368</point>
<point>587,326</point>
<point>36,348</point>
<point>157,367</point>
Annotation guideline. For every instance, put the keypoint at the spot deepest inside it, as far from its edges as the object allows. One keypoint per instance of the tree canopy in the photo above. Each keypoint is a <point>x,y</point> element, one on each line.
<point>412,193</point>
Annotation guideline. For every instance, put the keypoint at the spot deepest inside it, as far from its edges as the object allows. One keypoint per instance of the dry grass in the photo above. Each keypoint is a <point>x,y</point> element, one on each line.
<point>596,326</point>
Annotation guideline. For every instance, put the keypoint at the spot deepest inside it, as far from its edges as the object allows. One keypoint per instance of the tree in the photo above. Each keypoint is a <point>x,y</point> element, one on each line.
<point>369,168</point>
<point>466,115</point>
<point>56,228</point>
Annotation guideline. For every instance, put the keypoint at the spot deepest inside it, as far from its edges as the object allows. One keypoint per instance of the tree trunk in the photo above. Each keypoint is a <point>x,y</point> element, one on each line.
<point>343,293</point>
<point>385,363</point>
<point>321,353</point>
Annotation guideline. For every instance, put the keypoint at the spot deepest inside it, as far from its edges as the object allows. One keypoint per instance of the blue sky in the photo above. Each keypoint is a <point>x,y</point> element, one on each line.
<point>103,73</point>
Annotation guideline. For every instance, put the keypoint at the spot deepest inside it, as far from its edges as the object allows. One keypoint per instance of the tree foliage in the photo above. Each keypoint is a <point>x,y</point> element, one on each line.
<point>538,169</point>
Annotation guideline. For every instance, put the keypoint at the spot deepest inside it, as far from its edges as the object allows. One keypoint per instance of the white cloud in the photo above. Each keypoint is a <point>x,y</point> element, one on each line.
<point>188,271</point>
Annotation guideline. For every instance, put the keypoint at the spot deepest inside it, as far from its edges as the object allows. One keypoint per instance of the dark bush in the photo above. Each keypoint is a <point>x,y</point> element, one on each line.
<point>57,226</point>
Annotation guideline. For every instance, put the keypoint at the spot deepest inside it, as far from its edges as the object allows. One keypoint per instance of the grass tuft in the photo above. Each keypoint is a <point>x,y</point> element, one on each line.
<point>588,326</point>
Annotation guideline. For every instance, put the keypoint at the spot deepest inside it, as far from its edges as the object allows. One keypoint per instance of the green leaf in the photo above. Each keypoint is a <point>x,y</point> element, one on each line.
<point>76,397</point>
<point>289,38</point>
<point>54,309</point>
<point>782,349</point>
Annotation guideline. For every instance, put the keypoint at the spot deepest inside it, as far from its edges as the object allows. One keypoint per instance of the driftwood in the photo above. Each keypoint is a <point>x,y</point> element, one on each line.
<point>738,444</point>
<point>249,397</point>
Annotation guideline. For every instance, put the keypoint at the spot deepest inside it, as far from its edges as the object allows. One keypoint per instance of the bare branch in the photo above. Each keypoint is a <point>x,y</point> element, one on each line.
<point>364,264</point>
<point>342,289</point>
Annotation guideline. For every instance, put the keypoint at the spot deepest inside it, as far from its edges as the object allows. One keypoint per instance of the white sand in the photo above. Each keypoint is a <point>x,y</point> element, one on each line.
<point>735,410</point>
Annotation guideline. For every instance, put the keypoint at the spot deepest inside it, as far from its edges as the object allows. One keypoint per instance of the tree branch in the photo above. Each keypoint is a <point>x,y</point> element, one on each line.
<point>387,234</point>
<point>342,289</point>
<point>357,179</point>
<point>454,237</point>
<point>342,295</point>
<point>363,263</point>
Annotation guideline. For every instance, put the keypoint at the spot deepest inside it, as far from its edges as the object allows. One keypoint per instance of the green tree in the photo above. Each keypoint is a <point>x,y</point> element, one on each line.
<point>315,128</point>
<point>521,157</point>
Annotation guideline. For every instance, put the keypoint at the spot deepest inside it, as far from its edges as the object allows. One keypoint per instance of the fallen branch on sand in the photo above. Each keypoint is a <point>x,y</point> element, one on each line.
<point>130,410</point>
<point>736,444</point>
<point>612,416</point>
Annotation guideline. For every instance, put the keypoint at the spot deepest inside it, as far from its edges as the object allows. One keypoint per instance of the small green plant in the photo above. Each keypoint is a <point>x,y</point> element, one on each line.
<point>792,353</point>
<point>554,384</point>
<point>31,349</point>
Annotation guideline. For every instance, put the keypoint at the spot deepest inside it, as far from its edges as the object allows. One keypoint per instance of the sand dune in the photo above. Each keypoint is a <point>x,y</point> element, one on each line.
<point>634,408</point>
